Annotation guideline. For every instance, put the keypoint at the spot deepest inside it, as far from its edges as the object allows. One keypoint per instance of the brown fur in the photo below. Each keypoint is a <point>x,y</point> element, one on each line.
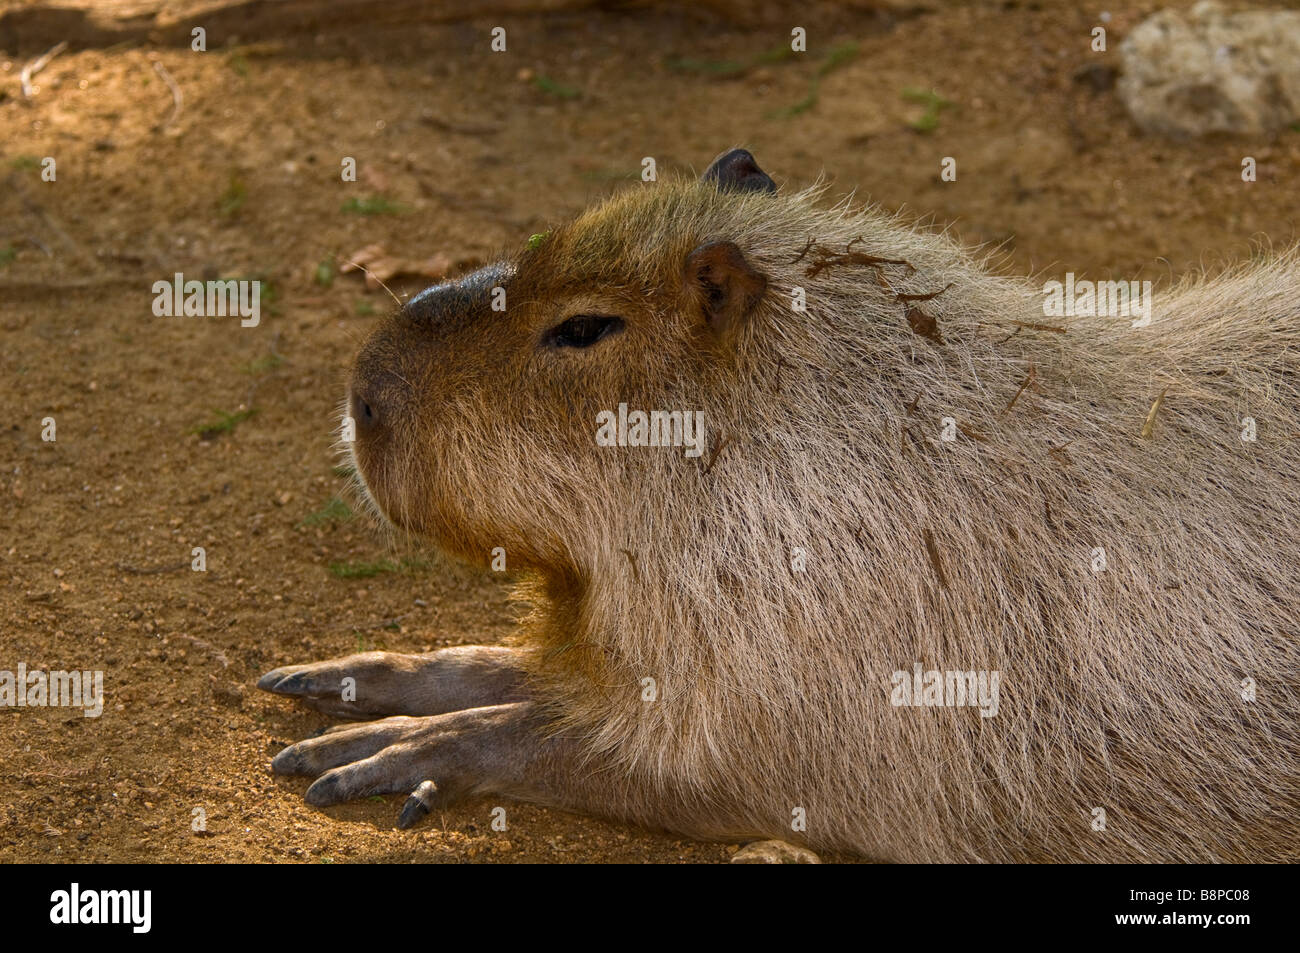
<point>1120,689</point>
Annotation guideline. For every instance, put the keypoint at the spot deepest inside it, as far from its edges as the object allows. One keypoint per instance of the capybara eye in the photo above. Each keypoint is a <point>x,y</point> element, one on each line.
<point>582,330</point>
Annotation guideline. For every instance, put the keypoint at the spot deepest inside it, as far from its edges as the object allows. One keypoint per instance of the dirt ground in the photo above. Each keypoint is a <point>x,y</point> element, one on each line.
<point>460,152</point>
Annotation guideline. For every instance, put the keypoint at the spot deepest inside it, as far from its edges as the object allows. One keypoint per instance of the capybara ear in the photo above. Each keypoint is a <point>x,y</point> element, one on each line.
<point>724,284</point>
<point>738,170</point>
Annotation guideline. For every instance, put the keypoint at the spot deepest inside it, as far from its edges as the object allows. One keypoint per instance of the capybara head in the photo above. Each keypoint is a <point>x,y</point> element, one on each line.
<point>476,404</point>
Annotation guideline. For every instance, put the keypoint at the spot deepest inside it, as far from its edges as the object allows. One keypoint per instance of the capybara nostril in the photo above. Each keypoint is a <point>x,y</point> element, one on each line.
<point>365,411</point>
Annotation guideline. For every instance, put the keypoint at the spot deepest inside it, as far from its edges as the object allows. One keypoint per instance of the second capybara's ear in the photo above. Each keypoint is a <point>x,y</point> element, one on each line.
<point>723,285</point>
<point>738,171</point>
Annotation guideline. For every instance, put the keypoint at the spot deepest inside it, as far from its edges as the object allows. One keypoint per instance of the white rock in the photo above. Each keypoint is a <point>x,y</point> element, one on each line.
<point>774,852</point>
<point>1208,70</point>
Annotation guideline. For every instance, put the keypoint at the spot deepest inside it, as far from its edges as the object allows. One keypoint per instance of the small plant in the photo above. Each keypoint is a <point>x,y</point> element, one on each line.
<point>25,163</point>
<point>364,308</point>
<point>928,121</point>
<point>232,200</point>
<point>366,570</point>
<point>335,511</point>
<point>7,254</point>
<point>324,273</point>
<point>836,57</point>
<point>267,362</point>
<point>729,69</point>
<point>268,296</point>
<point>224,423</point>
<point>552,88</point>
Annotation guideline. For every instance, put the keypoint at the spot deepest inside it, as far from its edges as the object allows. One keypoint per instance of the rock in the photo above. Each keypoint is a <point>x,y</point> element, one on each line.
<point>1206,71</point>
<point>774,852</point>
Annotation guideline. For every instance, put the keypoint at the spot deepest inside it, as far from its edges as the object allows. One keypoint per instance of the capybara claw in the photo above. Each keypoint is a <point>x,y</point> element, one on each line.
<point>285,684</point>
<point>287,762</point>
<point>324,791</point>
<point>270,681</point>
<point>418,805</point>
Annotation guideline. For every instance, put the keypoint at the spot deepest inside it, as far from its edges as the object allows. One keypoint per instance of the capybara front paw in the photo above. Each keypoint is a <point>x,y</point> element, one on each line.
<point>373,684</point>
<point>458,753</point>
<point>356,686</point>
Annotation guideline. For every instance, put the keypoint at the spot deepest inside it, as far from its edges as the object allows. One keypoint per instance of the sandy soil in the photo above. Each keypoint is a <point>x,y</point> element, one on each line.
<point>460,152</point>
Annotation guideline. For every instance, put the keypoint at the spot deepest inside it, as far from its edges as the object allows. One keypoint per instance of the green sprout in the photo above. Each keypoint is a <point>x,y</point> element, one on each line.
<point>324,273</point>
<point>232,200</point>
<point>836,57</point>
<point>551,87</point>
<point>335,511</point>
<point>224,423</point>
<point>928,121</point>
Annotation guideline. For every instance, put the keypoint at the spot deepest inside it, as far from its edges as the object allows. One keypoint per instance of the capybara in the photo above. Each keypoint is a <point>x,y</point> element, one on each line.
<point>833,535</point>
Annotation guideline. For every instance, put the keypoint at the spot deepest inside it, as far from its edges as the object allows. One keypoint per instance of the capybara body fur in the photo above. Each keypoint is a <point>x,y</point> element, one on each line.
<point>714,637</point>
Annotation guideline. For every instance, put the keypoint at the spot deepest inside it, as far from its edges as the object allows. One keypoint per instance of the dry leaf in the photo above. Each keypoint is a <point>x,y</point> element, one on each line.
<point>1028,382</point>
<point>1034,326</point>
<point>924,324</point>
<point>379,265</point>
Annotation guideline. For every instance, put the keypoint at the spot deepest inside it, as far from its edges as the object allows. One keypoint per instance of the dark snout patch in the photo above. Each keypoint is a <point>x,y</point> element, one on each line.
<point>738,171</point>
<point>461,297</point>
